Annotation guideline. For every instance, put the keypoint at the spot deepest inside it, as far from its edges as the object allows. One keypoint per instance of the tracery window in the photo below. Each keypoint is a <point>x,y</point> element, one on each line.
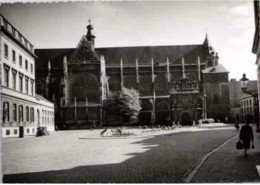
<point>114,83</point>
<point>162,106</point>
<point>130,82</point>
<point>160,83</point>
<point>85,86</point>
<point>145,83</point>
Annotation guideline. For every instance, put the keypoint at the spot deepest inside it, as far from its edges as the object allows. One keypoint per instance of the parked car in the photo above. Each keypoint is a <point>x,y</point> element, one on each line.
<point>42,131</point>
<point>209,120</point>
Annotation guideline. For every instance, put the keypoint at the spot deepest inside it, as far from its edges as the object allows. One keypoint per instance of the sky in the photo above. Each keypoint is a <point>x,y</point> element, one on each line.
<point>229,25</point>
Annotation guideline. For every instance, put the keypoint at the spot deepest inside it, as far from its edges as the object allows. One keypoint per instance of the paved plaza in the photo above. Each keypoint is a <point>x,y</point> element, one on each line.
<point>82,156</point>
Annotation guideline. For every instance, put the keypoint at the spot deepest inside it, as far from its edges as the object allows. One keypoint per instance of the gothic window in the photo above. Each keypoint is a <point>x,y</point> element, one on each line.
<point>146,105</point>
<point>114,83</point>
<point>160,82</point>
<point>130,82</point>
<point>85,86</point>
<point>145,83</point>
<point>162,106</point>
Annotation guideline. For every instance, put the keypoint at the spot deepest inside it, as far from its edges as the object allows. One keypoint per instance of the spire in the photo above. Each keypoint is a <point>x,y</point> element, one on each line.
<point>206,42</point>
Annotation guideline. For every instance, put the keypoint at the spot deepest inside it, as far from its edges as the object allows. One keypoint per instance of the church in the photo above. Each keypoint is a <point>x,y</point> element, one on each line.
<point>178,84</point>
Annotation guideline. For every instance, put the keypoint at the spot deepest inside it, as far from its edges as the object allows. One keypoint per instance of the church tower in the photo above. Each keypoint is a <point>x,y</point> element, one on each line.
<point>210,56</point>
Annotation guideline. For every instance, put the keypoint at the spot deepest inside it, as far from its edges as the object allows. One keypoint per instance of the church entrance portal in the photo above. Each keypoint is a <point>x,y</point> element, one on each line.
<point>186,119</point>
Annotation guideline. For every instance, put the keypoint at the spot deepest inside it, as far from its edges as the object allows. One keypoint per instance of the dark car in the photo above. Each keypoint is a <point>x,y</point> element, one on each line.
<point>42,131</point>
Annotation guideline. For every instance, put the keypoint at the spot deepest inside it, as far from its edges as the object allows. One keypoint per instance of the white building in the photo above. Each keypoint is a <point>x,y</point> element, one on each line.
<point>247,107</point>
<point>22,110</point>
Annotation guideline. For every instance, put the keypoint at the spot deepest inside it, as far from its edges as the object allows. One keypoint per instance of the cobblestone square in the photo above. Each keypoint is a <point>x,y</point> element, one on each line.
<point>83,157</point>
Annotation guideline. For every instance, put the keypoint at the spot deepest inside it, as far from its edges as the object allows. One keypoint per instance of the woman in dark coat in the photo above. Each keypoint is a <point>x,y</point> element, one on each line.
<point>246,136</point>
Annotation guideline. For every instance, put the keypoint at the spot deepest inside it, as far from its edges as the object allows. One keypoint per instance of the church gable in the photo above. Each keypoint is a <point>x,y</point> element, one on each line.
<point>84,53</point>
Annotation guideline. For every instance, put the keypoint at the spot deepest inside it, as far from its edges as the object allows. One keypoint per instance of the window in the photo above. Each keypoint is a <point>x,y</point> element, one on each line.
<point>32,115</point>
<point>14,79</point>
<point>6,112</point>
<point>31,87</point>
<point>20,113</point>
<point>6,75</point>
<point>14,112</point>
<point>15,131</point>
<point>27,114</point>
<point>20,37</point>
<point>26,64</point>
<point>13,56</point>
<point>27,85</point>
<point>20,61</point>
<point>21,83</point>
<point>6,50</point>
<point>7,132</point>
<point>32,68</point>
<point>13,30</point>
<point>28,130</point>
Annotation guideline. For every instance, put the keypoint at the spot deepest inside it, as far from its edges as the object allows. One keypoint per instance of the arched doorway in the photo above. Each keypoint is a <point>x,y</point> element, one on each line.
<point>162,113</point>
<point>186,119</point>
<point>146,112</point>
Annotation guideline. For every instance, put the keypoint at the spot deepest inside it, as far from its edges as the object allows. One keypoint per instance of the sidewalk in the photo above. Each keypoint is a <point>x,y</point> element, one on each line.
<point>229,164</point>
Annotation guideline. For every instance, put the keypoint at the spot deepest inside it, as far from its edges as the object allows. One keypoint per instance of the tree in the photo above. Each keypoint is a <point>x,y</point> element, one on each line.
<point>126,102</point>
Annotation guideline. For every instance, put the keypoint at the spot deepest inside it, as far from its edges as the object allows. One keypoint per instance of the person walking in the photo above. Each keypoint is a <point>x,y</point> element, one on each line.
<point>237,126</point>
<point>246,136</point>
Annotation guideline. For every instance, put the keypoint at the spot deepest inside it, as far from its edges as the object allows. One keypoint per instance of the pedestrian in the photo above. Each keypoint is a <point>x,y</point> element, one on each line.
<point>246,136</point>
<point>237,126</point>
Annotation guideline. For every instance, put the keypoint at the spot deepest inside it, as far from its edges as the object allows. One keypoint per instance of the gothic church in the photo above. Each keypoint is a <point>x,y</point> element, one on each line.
<point>178,84</point>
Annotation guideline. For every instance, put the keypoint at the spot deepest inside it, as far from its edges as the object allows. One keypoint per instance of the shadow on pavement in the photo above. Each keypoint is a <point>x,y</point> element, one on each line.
<point>166,160</point>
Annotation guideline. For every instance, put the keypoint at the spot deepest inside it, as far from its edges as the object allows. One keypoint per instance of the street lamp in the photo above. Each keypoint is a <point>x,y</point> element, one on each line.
<point>244,82</point>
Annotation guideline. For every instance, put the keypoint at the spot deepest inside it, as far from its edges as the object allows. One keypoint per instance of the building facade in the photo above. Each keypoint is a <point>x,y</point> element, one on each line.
<point>22,110</point>
<point>177,84</point>
<point>248,108</point>
<point>256,46</point>
<point>236,94</point>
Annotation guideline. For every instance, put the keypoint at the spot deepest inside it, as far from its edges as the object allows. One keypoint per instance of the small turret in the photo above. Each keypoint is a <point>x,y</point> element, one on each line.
<point>90,37</point>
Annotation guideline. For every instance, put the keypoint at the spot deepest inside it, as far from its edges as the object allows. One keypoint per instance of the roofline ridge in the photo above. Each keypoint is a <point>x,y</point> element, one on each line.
<point>148,46</point>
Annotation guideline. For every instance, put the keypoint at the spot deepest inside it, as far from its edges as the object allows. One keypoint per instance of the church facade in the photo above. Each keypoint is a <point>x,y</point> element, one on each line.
<point>177,84</point>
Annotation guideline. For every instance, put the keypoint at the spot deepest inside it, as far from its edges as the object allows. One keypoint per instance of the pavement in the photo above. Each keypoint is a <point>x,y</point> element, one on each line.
<point>83,156</point>
<point>229,164</point>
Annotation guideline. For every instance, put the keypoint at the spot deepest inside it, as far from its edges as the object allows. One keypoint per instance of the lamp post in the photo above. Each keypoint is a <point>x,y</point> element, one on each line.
<point>204,110</point>
<point>244,82</point>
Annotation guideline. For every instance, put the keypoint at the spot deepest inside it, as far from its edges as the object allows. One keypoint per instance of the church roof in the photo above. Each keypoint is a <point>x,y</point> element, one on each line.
<point>145,53</point>
<point>128,54</point>
<point>216,69</point>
